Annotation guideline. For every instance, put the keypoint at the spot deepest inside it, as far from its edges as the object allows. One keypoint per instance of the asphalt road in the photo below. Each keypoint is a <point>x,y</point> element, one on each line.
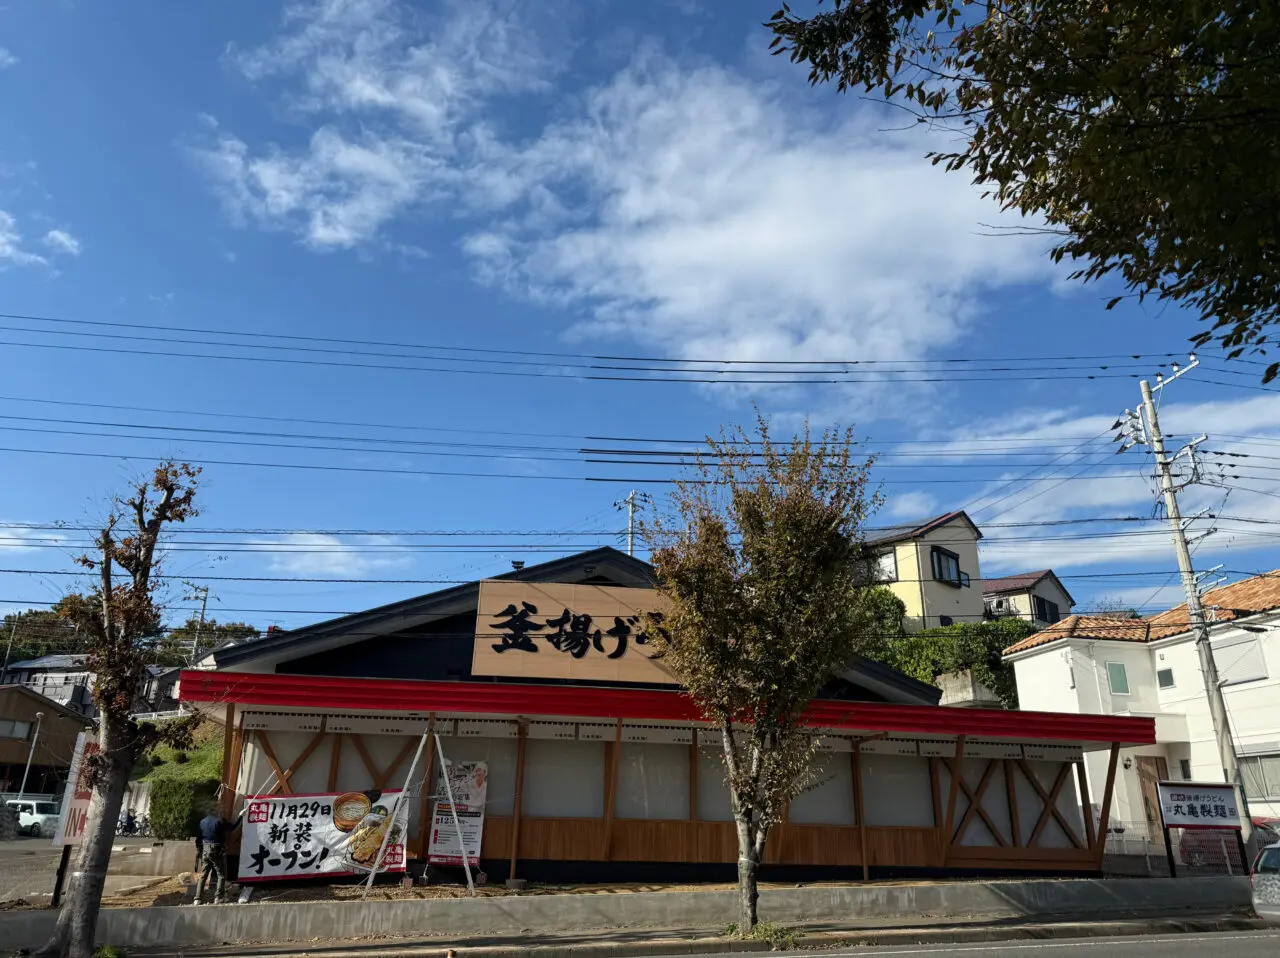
<point>1256,944</point>
<point>27,868</point>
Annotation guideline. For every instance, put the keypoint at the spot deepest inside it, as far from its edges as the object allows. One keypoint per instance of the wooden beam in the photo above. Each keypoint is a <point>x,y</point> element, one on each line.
<point>859,808</point>
<point>1011,793</point>
<point>936,788</point>
<point>1051,810</point>
<point>298,762</point>
<point>975,806</point>
<point>270,753</point>
<point>226,795</point>
<point>611,791</point>
<point>1051,805</point>
<point>366,758</point>
<point>519,800</point>
<point>1086,806</point>
<point>384,777</point>
<point>1104,816</point>
<point>956,766</point>
<point>693,778</point>
<point>424,798</point>
<point>335,759</point>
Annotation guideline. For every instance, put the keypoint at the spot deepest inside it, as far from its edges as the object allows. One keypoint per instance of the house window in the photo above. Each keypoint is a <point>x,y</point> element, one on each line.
<point>1117,678</point>
<point>1184,766</point>
<point>1046,611</point>
<point>12,729</point>
<point>886,567</point>
<point>946,567</point>
<point>1164,678</point>
<point>1261,775</point>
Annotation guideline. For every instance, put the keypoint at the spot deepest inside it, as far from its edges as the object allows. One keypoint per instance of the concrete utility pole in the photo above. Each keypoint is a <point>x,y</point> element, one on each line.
<point>630,503</point>
<point>203,592</point>
<point>1145,429</point>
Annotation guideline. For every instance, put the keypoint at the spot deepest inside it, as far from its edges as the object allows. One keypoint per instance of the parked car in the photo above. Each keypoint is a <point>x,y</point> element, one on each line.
<point>1203,848</point>
<point>35,818</point>
<point>1266,884</point>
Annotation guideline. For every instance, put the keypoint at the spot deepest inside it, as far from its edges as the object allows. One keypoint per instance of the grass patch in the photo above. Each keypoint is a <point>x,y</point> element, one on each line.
<point>197,764</point>
<point>110,951</point>
<point>778,937</point>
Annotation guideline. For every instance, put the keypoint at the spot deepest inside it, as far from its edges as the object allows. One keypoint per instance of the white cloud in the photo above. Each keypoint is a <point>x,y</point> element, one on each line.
<point>308,554</point>
<point>63,242</point>
<point>12,252</point>
<point>911,505</point>
<point>7,59</point>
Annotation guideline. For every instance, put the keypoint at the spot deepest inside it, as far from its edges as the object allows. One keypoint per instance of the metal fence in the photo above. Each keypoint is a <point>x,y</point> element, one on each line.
<point>1137,849</point>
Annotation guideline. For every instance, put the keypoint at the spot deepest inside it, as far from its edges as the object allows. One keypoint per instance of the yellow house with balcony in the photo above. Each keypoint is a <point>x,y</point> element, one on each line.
<point>932,566</point>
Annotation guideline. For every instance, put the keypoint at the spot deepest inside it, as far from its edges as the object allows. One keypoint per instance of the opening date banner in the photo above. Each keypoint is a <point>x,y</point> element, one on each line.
<point>300,836</point>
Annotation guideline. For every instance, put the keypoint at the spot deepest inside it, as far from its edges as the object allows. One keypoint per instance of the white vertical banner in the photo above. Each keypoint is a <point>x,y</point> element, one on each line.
<point>74,816</point>
<point>457,829</point>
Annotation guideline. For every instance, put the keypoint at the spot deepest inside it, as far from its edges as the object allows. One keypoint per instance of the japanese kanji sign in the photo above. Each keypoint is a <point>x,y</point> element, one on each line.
<point>553,630</point>
<point>300,836</point>
<point>1191,805</point>
<point>469,783</point>
<point>75,800</point>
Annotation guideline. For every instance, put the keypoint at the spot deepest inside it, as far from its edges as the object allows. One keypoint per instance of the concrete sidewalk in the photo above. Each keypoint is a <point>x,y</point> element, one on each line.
<point>643,943</point>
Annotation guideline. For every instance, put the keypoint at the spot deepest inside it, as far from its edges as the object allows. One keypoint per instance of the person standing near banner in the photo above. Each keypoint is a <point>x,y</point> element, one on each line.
<point>211,841</point>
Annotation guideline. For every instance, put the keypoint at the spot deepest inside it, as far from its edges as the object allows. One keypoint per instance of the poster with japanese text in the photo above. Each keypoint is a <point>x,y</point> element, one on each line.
<point>1191,805</point>
<point>469,785</point>
<point>302,836</point>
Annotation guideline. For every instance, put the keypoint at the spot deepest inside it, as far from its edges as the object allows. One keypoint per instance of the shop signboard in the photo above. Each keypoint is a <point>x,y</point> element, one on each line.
<point>580,632</point>
<point>329,834</point>
<point>74,815</point>
<point>469,786</point>
<point>1192,805</point>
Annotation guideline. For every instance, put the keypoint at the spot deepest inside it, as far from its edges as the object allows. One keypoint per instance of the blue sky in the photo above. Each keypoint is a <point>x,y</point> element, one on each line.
<point>599,179</point>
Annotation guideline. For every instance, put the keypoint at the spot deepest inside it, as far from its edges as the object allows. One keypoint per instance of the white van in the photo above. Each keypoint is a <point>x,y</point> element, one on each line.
<point>37,819</point>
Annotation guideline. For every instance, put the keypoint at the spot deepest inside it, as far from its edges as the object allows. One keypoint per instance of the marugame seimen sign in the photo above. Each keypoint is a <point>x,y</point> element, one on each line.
<point>552,630</point>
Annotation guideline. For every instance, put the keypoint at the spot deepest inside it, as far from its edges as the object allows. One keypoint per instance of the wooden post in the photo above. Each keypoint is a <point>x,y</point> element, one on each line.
<point>693,777</point>
<point>424,800</point>
<point>1104,817</point>
<point>1011,793</point>
<point>228,742</point>
<point>231,760</point>
<point>610,792</point>
<point>523,738</point>
<point>859,810</point>
<point>957,771</point>
<point>1086,806</point>
<point>335,759</point>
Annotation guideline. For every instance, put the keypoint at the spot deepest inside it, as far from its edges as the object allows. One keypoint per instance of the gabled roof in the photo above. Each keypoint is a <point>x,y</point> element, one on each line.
<point>1022,582</point>
<point>1252,596</point>
<point>49,663</point>
<point>606,562</point>
<point>914,530</point>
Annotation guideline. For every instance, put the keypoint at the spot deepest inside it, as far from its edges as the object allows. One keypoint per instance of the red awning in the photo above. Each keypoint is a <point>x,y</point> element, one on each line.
<point>328,694</point>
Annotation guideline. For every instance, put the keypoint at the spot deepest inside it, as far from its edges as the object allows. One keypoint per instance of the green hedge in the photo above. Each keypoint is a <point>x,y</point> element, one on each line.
<point>178,806</point>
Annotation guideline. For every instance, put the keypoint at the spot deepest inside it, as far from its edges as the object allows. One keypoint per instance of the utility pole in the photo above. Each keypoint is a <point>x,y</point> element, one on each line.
<point>203,592</point>
<point>630,503</point>
<point>1145,428</point>
<point>8,649</point>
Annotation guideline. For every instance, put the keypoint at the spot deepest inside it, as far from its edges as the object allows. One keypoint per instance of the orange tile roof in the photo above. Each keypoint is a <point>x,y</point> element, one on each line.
<point>1259,593</point>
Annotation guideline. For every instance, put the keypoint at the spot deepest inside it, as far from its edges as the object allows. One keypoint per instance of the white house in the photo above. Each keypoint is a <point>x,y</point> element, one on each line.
<point>1039,597</point>
<point>1150,667</point>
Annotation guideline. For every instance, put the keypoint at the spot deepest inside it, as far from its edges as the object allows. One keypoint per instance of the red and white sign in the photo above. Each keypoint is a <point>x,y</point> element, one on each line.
<point>329,834</point>
<point>74,815</point>
<point>469,784</point>
<point>1192,805</point>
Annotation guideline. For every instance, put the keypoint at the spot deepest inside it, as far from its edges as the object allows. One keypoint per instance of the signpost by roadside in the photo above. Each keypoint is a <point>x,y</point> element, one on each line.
<point>1193,806</point>
<point>74,815</point>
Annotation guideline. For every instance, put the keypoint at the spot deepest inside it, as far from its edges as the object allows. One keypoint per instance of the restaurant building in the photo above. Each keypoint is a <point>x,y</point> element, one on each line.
<point>600,769</point>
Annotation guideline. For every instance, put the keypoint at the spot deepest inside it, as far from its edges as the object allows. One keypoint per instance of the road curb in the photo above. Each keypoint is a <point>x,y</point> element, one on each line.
<point>817,941</point>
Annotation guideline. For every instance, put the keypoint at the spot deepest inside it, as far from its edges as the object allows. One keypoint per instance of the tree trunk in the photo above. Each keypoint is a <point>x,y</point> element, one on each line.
<point>73,936</point>
<point>748,874</point>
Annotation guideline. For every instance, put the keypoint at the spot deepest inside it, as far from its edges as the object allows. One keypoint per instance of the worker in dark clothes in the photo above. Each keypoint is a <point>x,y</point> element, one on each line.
<point>211,840</point>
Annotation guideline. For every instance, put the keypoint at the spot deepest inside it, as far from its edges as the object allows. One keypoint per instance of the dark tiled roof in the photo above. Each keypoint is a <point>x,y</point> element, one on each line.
<point>1014,583</point>
<point>49,663</point>
<point>913,530</point>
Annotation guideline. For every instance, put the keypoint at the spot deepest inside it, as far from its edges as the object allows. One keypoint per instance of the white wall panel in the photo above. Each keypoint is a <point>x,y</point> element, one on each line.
<point>896,790</point>
<point>563,779</point>
<point>500,754</point>
<point>830,801</point>
<point>653,781</point>
<point>713,793</point>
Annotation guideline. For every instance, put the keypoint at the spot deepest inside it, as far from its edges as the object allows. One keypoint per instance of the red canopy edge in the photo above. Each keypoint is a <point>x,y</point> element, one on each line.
<point>324,693</point>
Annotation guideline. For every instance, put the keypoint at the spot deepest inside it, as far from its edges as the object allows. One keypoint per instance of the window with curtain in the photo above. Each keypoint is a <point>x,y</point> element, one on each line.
<point>1261,775</point>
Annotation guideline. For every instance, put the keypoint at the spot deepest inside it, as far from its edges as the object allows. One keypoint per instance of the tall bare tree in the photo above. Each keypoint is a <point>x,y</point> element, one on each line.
<point>113,618</point>
<point>760,556</point>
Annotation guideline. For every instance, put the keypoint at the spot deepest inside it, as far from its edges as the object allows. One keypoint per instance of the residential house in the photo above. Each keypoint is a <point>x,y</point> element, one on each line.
<point>932,566</point>
<point>62,678</point>
<point>1038,597</point>
<point>1101,664</point>
<point>22,711</point>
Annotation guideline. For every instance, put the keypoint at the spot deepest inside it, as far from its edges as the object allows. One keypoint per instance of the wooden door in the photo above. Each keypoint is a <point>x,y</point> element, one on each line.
<point>1151,769</point>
